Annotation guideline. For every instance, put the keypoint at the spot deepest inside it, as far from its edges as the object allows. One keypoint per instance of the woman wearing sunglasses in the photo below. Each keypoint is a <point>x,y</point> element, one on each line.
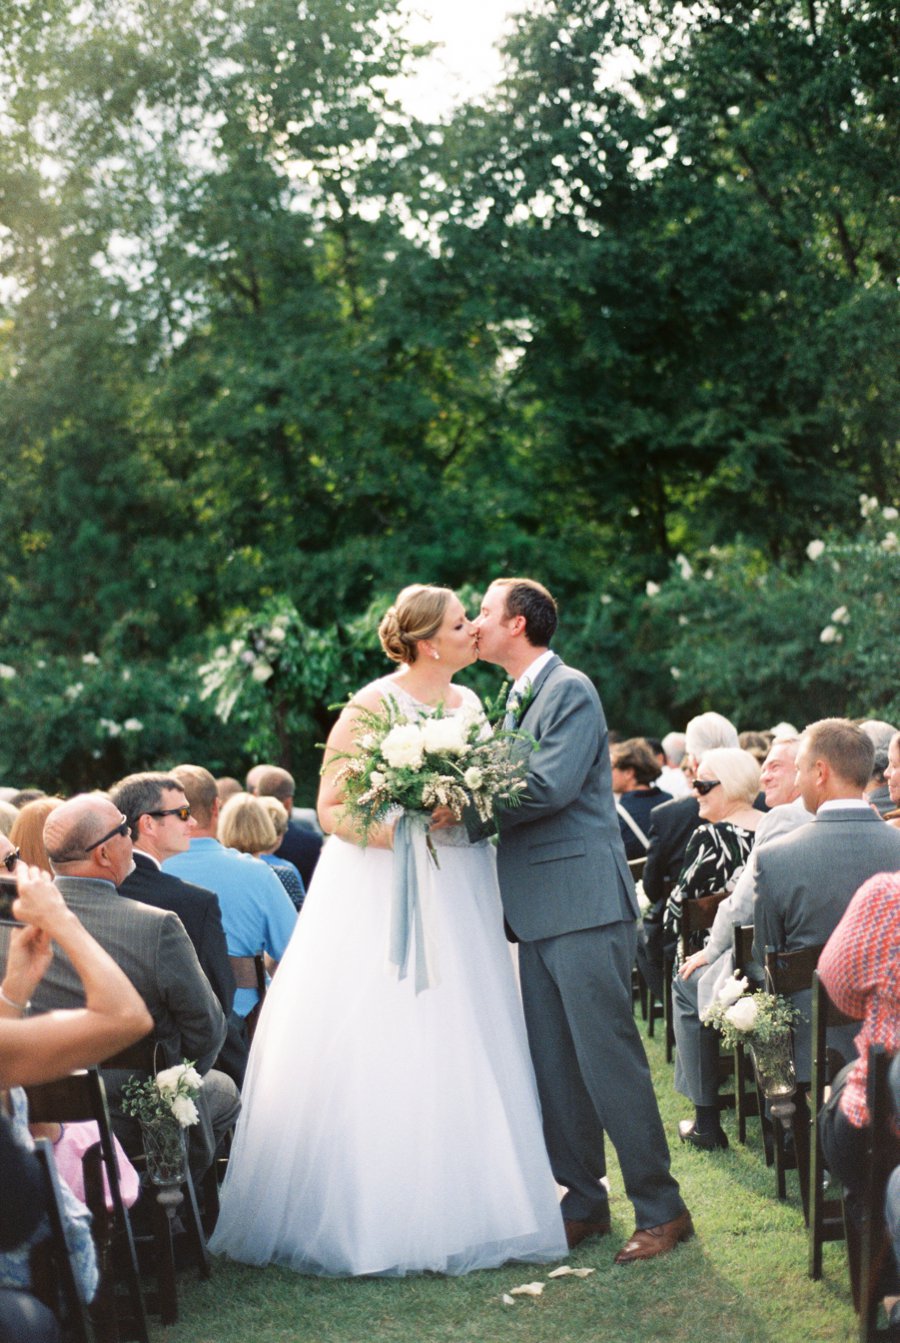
<point>726,785</point>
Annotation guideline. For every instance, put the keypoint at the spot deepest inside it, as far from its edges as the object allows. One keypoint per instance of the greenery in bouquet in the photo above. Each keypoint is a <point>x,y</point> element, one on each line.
<point>433,760</point>
<point>172,1093</point>
<point>751,1019</point>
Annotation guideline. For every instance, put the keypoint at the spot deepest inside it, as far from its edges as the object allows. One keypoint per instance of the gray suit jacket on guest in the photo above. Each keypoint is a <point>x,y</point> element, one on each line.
<point>806,880</point>
<point>561,860</point>
<point>158,957</point>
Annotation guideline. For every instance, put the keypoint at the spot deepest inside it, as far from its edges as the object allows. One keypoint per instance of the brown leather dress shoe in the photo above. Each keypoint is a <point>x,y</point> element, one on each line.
<point>577,1231</point>
<point>654,1240</point>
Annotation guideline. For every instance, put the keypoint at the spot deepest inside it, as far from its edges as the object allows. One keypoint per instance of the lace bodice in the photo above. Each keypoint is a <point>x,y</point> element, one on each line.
<point>393,689</point>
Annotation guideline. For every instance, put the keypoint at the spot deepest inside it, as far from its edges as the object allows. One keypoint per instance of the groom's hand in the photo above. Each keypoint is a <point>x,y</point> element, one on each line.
<point>442,818</point>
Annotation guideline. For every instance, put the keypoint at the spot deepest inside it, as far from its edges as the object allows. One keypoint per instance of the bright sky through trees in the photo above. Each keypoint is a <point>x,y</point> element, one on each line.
<point>467,61</point>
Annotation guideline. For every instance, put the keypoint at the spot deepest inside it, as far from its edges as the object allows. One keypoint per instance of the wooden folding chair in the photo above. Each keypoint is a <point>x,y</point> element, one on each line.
<point>82,1096</point>
<point>697,916</point>
<point>141,1058</point>
<point>826,1215</point>
<point>250,973</point>
<point>787,973</point>
<point>53,1271</point>
<point>748,1100</point>
<point>868,1244</point>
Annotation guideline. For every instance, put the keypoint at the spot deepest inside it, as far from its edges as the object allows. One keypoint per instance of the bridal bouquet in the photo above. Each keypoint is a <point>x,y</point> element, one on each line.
<point>433,760</point>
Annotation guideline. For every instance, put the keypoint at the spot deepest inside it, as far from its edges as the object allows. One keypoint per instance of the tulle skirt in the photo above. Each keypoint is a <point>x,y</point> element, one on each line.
<point>385,1132</point>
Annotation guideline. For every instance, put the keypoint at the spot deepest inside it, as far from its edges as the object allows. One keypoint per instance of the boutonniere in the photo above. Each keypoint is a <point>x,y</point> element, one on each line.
<point>521,703</point>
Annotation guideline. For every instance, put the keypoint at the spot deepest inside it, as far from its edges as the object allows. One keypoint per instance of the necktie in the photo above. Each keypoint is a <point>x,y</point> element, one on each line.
<point>513,700</point>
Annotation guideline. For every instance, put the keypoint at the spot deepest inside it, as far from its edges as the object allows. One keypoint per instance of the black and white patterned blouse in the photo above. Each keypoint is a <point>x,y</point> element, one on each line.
<point>713,861</point>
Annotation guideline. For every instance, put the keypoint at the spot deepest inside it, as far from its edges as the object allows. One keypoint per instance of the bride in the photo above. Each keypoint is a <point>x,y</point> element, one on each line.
<point>385,1131</point>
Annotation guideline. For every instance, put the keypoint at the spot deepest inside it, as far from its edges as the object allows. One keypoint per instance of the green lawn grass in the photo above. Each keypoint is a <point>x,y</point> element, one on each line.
<point>742,1279</point>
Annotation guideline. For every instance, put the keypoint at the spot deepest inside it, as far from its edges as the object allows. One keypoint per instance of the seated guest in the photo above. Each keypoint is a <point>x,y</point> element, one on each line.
<point>286,872</point>
<point>28,831</point>
<point>757,743</point>
<point>892,780</point>
<point>255,825</point>
<point>301,844</point>
<point>226,787</point>
<point>257,914</point>
<point>892,1201</point>
<point>89,843</point>
<point>805,880</point>
<point>39,1049</point>
<point>860,969</point>
<point>8,814</point>
<point>634,772</point>
<point>877,791</point>
<point>161,825</point>
<point>702,974</point>
<point>671,826</point>
<point>24,795</point>
<point>726,784</point>
<point>672,779</point>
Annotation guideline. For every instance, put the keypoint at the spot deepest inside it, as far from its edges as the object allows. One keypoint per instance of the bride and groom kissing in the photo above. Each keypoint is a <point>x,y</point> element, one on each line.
<point>389,1132</point>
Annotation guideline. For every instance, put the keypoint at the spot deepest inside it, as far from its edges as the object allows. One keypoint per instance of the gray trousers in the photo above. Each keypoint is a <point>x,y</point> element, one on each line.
<point>592,1073</point>
<point>697,1057</point>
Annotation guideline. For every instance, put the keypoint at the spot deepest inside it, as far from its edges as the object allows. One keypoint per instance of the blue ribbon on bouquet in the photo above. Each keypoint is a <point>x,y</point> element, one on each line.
<point>412,903</point>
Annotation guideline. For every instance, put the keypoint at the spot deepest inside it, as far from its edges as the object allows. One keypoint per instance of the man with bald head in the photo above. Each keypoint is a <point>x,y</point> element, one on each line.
<point>89,843</point>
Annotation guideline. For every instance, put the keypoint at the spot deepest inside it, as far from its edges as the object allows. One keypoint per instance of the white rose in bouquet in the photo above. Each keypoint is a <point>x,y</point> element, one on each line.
<point>444,735</point>
<point>742,1014</point>
<point>403,747</point>
<point>167,1080</point>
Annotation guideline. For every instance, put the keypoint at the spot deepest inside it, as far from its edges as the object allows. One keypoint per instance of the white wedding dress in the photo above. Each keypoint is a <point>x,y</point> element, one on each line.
<point>385,1132</point>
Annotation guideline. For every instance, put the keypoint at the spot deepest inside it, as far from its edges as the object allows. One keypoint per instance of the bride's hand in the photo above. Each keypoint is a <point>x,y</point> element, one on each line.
<point>442,818</point>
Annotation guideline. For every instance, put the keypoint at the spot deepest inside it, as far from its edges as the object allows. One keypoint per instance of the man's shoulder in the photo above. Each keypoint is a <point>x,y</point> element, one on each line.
<point>672,815</point>
<point>148,879</point>
<point>782,820</point>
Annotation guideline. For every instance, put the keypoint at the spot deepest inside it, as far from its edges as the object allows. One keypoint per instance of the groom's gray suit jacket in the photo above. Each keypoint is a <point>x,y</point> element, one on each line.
<point>561,860</point>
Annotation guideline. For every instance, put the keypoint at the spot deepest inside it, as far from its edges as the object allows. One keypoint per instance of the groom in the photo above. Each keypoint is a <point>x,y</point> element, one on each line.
<point>569,899</point>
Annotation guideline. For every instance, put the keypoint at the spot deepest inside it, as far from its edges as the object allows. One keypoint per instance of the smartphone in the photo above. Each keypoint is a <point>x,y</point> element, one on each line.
<point>8,892</point>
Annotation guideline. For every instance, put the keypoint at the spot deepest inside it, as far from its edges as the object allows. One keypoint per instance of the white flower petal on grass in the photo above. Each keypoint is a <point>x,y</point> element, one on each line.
<point>566,1271</point>
<point>507,1299</point>
<point>815,549</point>
<point>528,1289</point>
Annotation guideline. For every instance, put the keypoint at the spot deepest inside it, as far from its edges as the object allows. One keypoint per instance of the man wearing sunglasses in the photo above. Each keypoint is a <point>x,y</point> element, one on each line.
<point>161,826</point>
<point>89,843</point>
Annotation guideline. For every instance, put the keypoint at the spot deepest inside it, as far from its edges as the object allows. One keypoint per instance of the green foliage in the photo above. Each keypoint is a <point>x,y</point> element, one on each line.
<point>267,344</point>
<point>763,642</point>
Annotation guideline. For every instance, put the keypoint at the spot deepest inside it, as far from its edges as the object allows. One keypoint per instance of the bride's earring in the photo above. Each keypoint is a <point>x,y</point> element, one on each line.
<point>435,656</point>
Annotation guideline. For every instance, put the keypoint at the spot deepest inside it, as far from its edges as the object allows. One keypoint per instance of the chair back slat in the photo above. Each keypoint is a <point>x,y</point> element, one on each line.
<point>742,947</point>
<point>55,1253</point>
<point>790,972</point>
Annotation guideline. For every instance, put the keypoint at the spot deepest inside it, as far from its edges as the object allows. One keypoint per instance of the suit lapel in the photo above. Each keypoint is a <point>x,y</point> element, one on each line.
<point>538,684</point>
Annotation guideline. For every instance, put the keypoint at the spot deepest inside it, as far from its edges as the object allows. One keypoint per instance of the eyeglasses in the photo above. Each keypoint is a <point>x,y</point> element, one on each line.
<point>183,813</point>
<point>123,828</point>
<point>704,786</point>
<point>10,859</point>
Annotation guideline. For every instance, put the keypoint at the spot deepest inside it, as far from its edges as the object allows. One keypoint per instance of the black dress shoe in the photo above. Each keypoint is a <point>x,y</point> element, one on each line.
<point>705,1142</point>
<point>577,1231</point>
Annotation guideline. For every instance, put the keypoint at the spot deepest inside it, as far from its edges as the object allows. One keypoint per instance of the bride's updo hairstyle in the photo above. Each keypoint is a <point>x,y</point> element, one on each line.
<point>417,614</point>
